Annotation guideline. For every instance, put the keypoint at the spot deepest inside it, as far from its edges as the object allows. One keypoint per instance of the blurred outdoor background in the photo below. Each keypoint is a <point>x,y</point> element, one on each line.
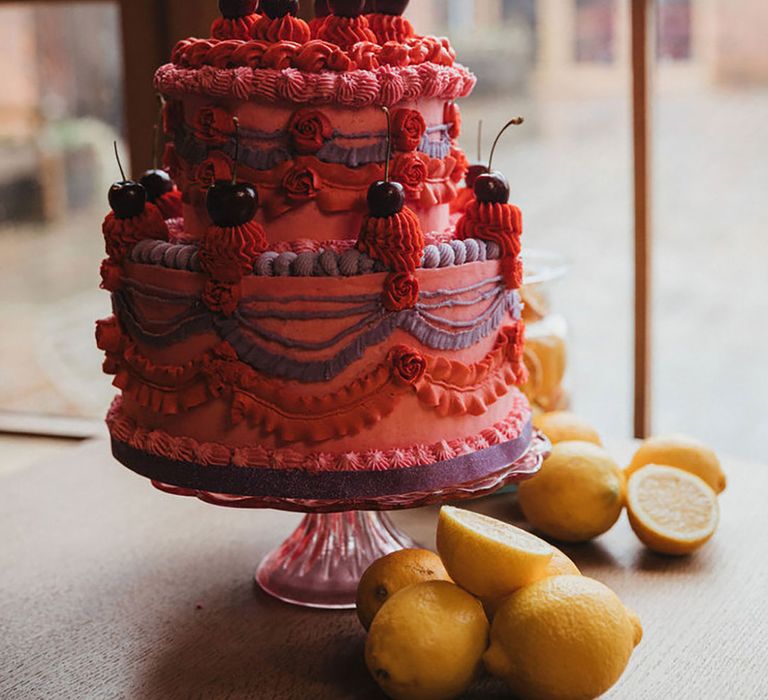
<point>564,65</point>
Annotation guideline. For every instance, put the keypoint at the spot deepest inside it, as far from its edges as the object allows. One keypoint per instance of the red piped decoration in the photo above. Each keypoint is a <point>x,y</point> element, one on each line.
<point>408,129</point>
<point>110,340</point>
<point>390,28</point>
<point>515,337</point>
<point>120,235</point>
<point>401,291</point>
<point>228,254</point>
<point>395,240</point>
<point>287,28</point>
<point>321,12</point>
<point>501,223</point>
<point>235,28</point>
<point>408,365</point>
<point>309,130</point>
<point>452,117</point>
<point>111,275</point>
<point>346,31</point>
<point>170,204</point>
<point>222,297</point>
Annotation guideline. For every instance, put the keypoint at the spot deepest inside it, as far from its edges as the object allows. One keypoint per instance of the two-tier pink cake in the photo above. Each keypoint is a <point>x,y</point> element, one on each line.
<point>280,332</point>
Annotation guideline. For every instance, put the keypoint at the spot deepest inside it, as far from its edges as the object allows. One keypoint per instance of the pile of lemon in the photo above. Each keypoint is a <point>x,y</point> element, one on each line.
<point>670,488</point>
<point>554,633</point>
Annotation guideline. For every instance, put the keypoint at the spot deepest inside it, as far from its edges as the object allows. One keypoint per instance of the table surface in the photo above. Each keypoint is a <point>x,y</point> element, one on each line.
<point>109,589</point>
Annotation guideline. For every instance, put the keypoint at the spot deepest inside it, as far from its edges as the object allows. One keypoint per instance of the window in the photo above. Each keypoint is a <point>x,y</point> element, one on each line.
<point>60,109</point>
<point>674,27</point>
<point>595,28</point>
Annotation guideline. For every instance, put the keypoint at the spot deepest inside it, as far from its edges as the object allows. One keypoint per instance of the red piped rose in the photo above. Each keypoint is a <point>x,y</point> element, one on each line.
<point>111,275</point>
<point>401,291</point>
<point>408,365</point>
<point>213,123</point>
<point>301,184</point>
<point>411,170</point>
<point>212,169</point>
<point>309,130</point>
<point>221,297</point>
<point>408,128</point>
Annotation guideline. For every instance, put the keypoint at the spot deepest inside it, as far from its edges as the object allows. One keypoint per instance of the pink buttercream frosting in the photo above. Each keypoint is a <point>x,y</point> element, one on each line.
<point>388,85</point>
<point>185,449</point>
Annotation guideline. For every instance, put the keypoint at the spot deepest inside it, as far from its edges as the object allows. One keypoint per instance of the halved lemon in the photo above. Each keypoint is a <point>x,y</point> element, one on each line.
<point>672,511</point>
<point>487,557</point>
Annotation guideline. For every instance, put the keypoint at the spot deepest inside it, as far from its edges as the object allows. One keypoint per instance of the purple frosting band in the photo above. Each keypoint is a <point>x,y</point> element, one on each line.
<point>331,486</point>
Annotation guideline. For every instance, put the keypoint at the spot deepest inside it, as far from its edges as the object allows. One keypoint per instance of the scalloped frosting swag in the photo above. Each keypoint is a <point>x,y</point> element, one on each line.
<point>450,388</point>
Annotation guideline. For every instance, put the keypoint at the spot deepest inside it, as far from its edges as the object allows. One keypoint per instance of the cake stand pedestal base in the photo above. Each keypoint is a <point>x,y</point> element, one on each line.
<point>320,564</point>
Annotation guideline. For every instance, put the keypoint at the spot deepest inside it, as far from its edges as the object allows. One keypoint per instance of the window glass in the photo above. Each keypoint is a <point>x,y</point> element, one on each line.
<point>711,249</point>
<point>60,109</point>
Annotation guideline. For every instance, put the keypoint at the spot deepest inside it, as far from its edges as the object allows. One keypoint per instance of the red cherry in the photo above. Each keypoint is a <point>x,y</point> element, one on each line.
<point>385,198</point>
<point>474,172</point>
<point>231,204</point>
<point>232,9</point>
<point>156,183</point>
<point>275,9</point>
<point>127,199</point>
<point>492,188</point>
<point>390,7</point>
<point>347,8</point>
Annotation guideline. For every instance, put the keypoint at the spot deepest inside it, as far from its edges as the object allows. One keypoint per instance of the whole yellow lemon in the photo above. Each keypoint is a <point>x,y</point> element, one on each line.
<point>562,426</point>
<point>577,495</point>
<point>562,638</point>
<point>386,576</point>
<point>559,565</point>
<point>426,642</point>
<point>684,453</point>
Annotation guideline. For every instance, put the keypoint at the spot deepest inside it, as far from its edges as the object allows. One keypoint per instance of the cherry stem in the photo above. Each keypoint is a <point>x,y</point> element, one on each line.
<point>236,122</point>
<point>156,140</point>
<point>480,141</point>
<point>119,164</point>
<point>389,143</point>
<point>517,121</point>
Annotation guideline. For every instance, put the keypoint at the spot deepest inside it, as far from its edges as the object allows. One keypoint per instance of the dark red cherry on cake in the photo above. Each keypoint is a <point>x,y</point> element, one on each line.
<point>385,198</point>
<point>274,9</point>
<point>492,188</point>
<point>346,8</point>
<point>390,7</point>
<point>232,9</point>
<point>127,199</point>
<point>231,204</point>
<point>474,172</point>
<point>156,183</point>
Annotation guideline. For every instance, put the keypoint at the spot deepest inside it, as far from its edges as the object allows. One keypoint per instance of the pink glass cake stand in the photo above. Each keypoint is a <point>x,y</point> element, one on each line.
<point>320,564</point>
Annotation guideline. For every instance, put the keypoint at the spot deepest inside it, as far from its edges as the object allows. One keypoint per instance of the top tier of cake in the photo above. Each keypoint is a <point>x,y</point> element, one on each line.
<point>312,132</point>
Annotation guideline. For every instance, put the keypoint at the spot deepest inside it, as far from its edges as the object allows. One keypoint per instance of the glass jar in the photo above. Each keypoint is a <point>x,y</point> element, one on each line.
<point>546,347</point>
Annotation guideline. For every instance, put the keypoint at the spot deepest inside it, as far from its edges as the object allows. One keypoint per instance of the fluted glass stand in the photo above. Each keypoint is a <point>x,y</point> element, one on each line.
<point>320,564</point>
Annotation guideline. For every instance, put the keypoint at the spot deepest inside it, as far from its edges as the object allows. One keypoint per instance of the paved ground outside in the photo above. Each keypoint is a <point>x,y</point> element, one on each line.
<point>570,169</point>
